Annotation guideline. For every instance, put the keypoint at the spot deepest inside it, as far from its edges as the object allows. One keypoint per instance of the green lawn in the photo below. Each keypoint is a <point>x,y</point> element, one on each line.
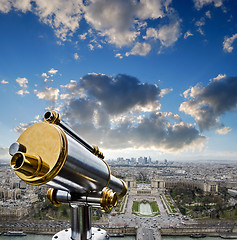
<point>135,206</point>
<point>154,207</point>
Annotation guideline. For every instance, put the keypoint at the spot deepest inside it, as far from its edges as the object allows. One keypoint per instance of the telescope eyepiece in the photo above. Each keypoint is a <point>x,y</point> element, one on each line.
<point>29,165</point>
<point>17,161</point>
<point>52,117</point>
<point>48,116</point>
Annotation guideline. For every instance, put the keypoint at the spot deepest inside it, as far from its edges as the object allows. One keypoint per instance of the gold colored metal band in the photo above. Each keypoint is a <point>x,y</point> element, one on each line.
<point>56,118</point>
<point>51,195</point>
<point>97,152</point>
<point>124,191</point>
<point>108,199</point>
<point>62,158</point>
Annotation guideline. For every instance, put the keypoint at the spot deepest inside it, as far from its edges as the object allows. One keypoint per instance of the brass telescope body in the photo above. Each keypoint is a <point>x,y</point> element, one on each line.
<point>52,153</point>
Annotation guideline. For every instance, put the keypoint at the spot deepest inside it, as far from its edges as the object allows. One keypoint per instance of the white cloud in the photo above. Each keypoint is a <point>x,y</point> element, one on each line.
<point>117,28</point>
<point>201,3</point>
<point>219,77</point>
<point>208,14</point>
<point>4,82</point>
<point>121,112</point>
<point>227,44</point>
<point>151,9</point>
<point>22,92</point>
<point>152,33</point>
<point>52,71</point>
<point>165,91</point>
<point>83,36</point>
<point>107,90</point>
<point>73,88</point>
<point>129,131</point>
<point>200,23</point>
<point>120,39</point>
<point>76,56</point>
<point>148,108</point>
<point>63,16</point>
<point>66,96</point>
<point>119,55</point>
<point>207,104</point>
<point>187,34</point>
<point>117,22</point>
<point>174,116</point>
<point>20,5</point>
<point>167,34</point>
<point>200,30</point>
<point>70,85</point>
<point>22,82</point>
<point>5,6</point>
<point>45,77</point>
<point>91,47</point>
<point>223,130</point>
<point>204,115</point>
<point>192,92</point>
<point>48,94</point>
<point>128,18</point>
<point>141,49</point>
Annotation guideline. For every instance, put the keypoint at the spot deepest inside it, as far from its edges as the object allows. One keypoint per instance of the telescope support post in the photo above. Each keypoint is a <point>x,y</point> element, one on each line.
<point>81,226</point>
<point>81,222</point>
<point>86,222</point>
<point>75,222</point>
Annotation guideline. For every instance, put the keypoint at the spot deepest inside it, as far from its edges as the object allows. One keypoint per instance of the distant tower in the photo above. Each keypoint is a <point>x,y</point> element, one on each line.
<point>140,160</point>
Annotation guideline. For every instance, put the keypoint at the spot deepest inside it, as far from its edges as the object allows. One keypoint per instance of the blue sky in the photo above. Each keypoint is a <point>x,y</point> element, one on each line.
<point>138,78</point>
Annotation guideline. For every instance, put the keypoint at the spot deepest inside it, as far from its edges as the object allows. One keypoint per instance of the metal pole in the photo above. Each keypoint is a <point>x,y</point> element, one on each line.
<point>81,226</point>
<point>75,222</point>
<point>86,222</point>
<point>80,222</point>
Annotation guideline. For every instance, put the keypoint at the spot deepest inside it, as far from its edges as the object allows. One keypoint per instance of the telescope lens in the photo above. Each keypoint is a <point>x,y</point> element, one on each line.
<point>52,117</point>
<point>48,116</point>
<point>17,161</point>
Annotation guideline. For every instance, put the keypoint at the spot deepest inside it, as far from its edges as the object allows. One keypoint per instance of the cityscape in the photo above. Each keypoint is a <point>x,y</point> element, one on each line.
<point>152,85</point>
<point>166,186</point>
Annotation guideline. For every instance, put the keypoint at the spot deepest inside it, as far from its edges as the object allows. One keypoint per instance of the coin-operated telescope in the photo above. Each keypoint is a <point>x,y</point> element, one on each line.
<point>51,153</point>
